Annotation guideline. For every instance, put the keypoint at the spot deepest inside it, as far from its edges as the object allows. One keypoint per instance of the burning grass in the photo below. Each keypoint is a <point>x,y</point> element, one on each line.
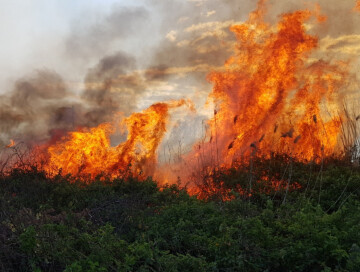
<point>271,97</point>
<point>275,178</point>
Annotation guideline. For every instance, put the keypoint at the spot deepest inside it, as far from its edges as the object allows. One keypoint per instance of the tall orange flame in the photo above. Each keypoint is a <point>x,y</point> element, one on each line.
<point>270,97</point>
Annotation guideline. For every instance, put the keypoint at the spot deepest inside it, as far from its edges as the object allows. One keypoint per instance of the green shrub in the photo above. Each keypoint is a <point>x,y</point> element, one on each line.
<point>60,224</point>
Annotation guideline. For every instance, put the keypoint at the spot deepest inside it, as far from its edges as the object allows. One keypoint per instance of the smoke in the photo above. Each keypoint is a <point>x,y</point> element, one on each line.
<point>112,86</point>
<point>105,33</point>
<point>130,57</point>
<point>196,34</point>
<point>36,105</point>
<point>42,105</point>
<point>341,20</point>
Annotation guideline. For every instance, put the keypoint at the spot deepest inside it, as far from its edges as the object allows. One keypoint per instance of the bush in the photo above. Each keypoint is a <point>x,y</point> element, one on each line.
<point>60,224</point>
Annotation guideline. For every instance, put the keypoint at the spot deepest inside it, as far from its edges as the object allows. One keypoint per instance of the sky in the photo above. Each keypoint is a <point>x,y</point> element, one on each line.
<point>28,31</point>
<point>34,34</point>
<point>101,57</point>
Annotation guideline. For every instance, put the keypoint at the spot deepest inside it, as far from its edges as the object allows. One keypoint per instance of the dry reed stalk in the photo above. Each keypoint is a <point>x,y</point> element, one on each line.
<point>350,133</point>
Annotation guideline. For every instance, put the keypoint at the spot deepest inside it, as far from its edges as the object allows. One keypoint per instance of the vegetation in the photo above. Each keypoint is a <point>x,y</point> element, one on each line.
<point>309,222</point>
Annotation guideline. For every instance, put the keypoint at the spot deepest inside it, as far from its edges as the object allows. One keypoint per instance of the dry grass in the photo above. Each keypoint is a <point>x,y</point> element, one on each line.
<point>350,132</point>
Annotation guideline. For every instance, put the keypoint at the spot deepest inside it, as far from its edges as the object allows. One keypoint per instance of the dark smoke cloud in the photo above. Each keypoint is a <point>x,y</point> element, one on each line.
<point>41,106</point>
<point>111,86</point>
<point>36,105</point>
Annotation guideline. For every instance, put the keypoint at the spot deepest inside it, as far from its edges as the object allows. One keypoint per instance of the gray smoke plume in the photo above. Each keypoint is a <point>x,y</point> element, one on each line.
<point>111,30</point>
<point>192,38</point>
<point>110,87</point>
<point>42,105</point>
<point>36,105</point>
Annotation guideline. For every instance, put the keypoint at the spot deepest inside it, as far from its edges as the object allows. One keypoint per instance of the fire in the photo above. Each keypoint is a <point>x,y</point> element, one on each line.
<point>270,97</point>
<point>357,6</point>
<point>89,152</point>
<point>12,143</point>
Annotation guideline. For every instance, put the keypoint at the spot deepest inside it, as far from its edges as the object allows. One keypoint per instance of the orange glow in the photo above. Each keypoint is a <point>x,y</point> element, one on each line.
<point>272,96</point>
<point>89,152</point>
<point>263,184</point>
<point>269,96</point>
<point>357,6</point>
<point>12,143</point>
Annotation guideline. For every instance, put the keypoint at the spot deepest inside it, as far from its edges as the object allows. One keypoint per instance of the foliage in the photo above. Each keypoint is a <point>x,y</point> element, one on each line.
<point>60,224</point>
